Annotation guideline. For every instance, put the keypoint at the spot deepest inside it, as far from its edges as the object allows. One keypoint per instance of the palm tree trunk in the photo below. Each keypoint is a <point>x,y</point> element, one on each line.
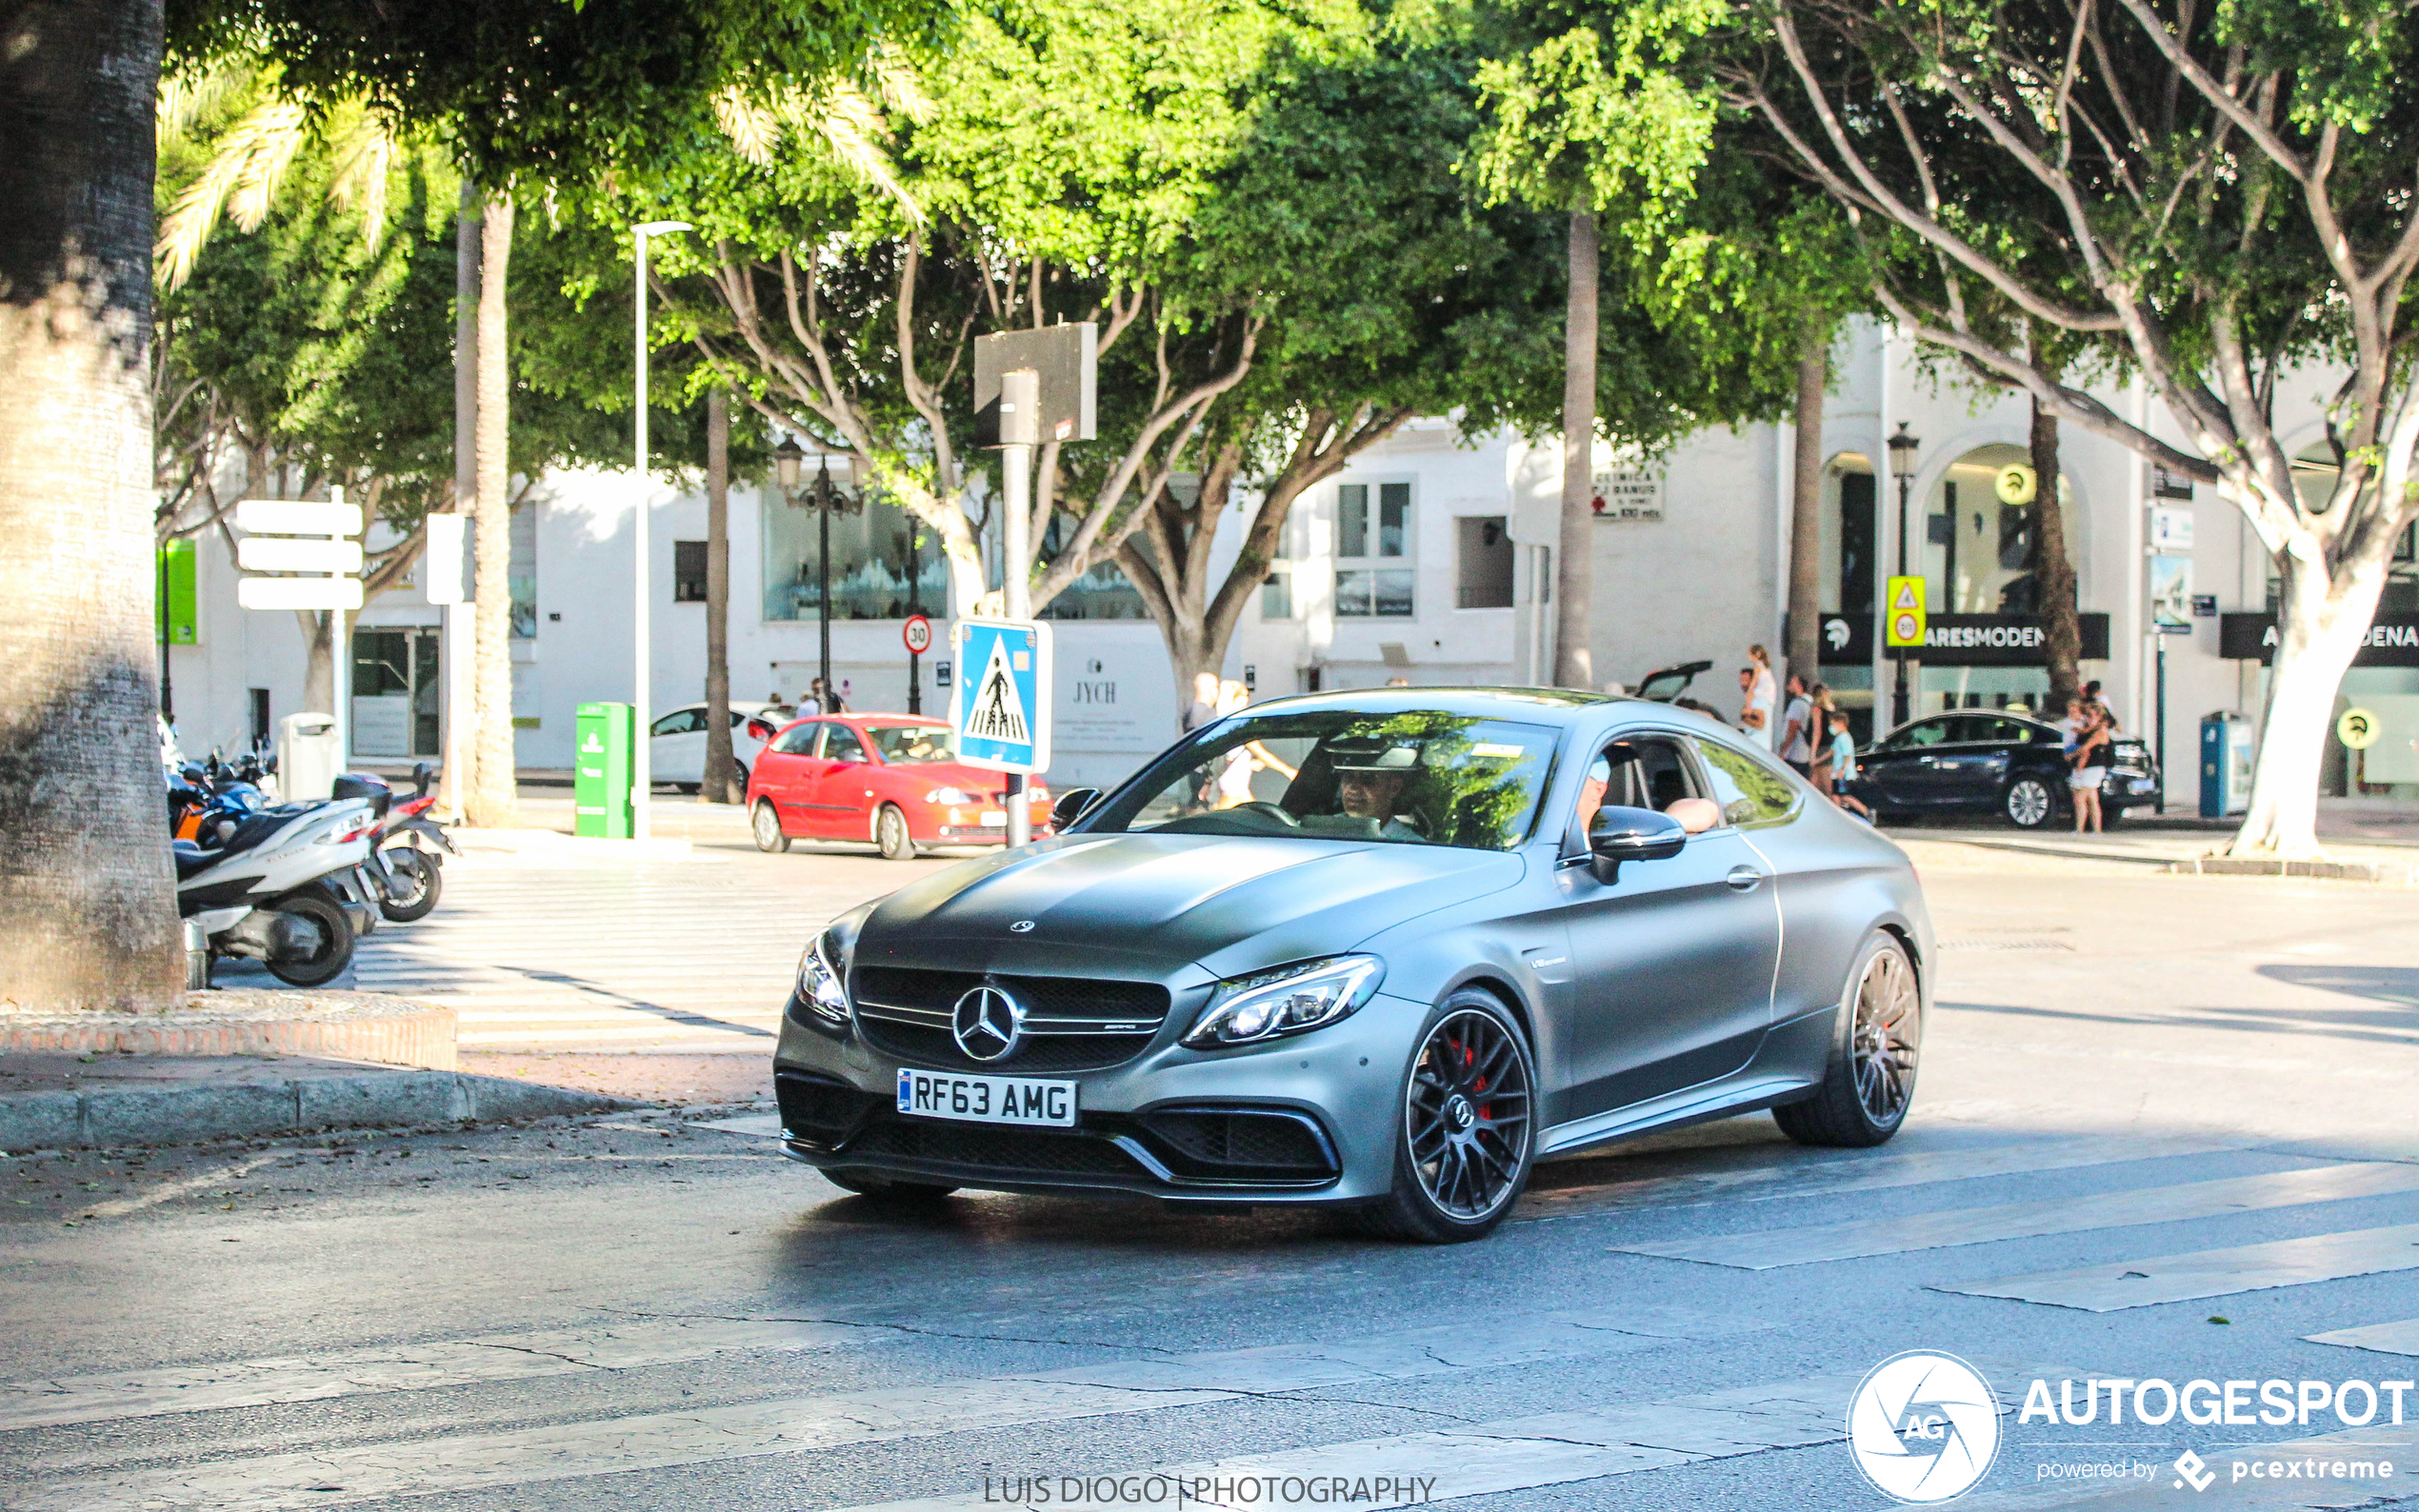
<point>494,801</point>
<point>2052,567</point>
<point>85,883</point>
<point>721,784</point>
<point>461,744</point>
<point>1804,645</point>
<point>1575,566</point>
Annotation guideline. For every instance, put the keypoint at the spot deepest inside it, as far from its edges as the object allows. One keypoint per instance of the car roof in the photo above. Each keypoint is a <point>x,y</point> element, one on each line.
<point>1551,706</point>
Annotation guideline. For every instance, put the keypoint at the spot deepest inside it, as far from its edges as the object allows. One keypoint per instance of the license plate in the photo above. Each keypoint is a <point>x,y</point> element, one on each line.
<point>987,1099</point>
<point>994,817</point>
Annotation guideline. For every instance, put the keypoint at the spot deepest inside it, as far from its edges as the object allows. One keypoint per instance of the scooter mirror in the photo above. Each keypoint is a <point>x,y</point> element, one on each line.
<point>419,778</point>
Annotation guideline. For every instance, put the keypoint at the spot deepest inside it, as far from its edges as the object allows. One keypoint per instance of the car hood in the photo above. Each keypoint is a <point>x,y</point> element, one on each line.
<point>1150,904</point>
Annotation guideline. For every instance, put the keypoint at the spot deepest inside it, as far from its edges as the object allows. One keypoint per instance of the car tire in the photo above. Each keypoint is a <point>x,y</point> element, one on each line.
<point>1869,1081</point>
<point>890,833</point>
<point>2029,803</point>
<point>886,1189</point>
<point>335,951</point>
<point>1461,1158</point>
<point>765,824</point>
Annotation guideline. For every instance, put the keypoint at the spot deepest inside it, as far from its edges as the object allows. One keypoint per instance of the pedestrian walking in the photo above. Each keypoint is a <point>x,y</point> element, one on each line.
<point>2089,764</point>
<point>1204,706</point>
<point>1797,729</point>
<point>1818,738</point>
<point>1843,765</point>
<point>1762,693</point>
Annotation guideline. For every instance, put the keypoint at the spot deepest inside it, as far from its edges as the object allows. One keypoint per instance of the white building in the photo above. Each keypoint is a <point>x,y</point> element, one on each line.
<point>1427,558</point>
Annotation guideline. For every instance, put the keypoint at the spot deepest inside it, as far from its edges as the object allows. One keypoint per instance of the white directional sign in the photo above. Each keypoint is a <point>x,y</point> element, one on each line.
<point>299,593</point>
<point>297,517</point>
<point>270,554</point>
<point>1002,706</point>
<point>443,564</point>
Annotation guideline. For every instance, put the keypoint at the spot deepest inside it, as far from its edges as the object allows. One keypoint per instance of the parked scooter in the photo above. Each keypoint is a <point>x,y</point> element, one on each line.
<point>288,886</point>
<point>407,851</point>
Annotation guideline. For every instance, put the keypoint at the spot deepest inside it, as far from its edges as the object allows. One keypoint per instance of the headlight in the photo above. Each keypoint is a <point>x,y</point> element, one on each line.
<point>820,987</point>
<point>1285,1000</point>
<point>948,795</point>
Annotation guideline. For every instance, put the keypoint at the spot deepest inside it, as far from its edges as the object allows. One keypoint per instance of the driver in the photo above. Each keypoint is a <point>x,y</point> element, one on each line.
<point>1370,779</point>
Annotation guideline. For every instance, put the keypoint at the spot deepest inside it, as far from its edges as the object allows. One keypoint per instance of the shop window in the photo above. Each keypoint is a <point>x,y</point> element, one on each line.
<point>1276,595</point>
<point>884,565</point>
<point>1483,563</point>
<point>689,571</point>
<point>1103,593</point>
<point>523,572</point>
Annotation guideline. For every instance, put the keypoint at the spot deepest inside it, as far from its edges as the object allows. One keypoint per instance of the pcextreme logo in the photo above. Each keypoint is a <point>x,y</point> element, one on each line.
<point>1924,1427</point>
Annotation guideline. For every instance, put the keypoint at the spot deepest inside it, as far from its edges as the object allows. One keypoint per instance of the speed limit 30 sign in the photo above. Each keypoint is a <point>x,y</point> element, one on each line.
<point>917,632</point>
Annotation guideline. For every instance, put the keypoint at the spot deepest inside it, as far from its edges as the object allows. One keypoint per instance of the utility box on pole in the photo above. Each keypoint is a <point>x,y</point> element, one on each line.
<point>308,756</point>
<point>601,772</point>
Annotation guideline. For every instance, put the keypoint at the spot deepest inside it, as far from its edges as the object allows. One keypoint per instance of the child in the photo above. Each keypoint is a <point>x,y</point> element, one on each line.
<point>1843,764</point>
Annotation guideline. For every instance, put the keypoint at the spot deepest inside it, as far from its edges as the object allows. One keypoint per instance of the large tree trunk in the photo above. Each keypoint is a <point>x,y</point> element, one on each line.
<point>493,800</point>
<point>319,660</point>
<point>461,745</point>
<point>722,785</point>
<point>1574,565</point>
<point>2320,627</point>
<point>1804,648</point>
<point>85,883</point>
<point>2052,567</point>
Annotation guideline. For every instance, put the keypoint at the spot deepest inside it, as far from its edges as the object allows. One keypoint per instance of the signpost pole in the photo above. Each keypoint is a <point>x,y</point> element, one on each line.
<point>341,654</point>
<point>2159,804</point>
<point>1020,427</point>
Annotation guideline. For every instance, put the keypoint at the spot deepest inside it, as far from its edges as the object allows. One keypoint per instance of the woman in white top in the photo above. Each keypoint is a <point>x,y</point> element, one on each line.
<point>1764,696</point>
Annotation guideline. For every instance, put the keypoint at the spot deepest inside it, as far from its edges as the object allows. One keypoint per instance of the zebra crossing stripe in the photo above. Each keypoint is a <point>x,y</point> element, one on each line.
<point>408,1367</point>
<point>464,1462</point>
<point>2386,1338</point>
<point>2119,1285</point>
<point>1864,1237</point>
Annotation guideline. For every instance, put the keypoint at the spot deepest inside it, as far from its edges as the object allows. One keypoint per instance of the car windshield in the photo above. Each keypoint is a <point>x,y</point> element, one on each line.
<point>911,744</point>
<point>1422,778</point>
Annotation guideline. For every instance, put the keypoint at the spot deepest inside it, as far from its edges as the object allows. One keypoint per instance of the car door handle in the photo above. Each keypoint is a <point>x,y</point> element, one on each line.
<point>1744,879</point>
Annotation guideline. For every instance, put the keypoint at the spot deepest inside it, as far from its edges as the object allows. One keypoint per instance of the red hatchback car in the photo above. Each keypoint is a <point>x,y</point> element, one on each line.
<point>891,779</point>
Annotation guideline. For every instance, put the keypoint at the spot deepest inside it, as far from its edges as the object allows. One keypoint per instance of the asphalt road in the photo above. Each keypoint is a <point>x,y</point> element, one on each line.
<point>2127,1072</point>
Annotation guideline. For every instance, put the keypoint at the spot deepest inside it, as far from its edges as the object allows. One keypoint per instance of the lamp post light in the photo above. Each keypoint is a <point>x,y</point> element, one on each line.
<point>1903,450</point>
<point>825,498</point>
<point>642,778</point>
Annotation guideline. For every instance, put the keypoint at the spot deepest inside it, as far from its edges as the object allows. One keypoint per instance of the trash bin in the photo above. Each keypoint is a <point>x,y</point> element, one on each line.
<point>308,759</point>
<point>601,771</point>
<point>2225,765</point>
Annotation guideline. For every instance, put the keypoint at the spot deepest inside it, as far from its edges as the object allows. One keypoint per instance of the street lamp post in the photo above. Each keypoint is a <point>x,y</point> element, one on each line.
<point>1903,452</point>
<point>642,780</point>
<point>823,497</point>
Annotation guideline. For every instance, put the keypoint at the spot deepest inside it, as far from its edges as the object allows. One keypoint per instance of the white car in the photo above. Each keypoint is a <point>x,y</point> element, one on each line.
<point>677,744</point>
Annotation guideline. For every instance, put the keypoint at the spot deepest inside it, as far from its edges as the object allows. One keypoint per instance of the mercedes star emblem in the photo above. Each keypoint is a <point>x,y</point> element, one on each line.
<point>987,1023</point>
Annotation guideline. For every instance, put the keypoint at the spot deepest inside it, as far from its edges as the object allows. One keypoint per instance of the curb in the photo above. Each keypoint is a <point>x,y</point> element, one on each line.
<point>2392,873</point>
<point>193,1115</point>
<point>402,1033</point>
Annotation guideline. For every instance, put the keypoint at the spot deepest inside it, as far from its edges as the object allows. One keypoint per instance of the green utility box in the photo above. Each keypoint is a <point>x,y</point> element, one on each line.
<point>601,772</point>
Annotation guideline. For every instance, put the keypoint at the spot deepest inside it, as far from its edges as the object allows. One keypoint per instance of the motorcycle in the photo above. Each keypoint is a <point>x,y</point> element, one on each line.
<point>406,854</point>
<point>288,886</point>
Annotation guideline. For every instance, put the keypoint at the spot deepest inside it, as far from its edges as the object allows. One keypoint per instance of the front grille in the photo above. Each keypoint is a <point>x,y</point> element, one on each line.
<point>1071,1024</point>
<point>1240,1143</point>
<point>1006,1151</point>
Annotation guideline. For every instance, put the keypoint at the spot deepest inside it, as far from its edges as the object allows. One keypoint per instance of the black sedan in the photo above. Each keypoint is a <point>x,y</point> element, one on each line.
<point>1378,949</point>
<point>1979,760</point>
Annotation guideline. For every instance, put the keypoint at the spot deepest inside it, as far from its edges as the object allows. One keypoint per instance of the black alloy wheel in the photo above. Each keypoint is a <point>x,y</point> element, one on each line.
<point>766,826</point>
<point>330,936</point>
<point>890,833</point>
<point>1870,1083</point>
<point>2029,803</point>
<point>1469,1132</point>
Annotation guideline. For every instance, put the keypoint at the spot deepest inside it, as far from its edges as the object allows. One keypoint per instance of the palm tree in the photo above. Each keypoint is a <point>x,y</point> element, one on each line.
<point>85,883</point>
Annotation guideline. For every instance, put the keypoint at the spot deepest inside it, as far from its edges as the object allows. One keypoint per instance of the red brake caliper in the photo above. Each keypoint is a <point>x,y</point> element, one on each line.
<point>1470,1057</point>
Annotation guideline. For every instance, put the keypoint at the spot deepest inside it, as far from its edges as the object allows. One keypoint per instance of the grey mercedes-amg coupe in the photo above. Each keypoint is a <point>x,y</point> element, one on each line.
<point>1381,949</point>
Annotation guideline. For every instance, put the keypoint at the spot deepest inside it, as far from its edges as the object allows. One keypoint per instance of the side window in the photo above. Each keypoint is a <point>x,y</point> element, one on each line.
<point>1930,733</point>
<point>2004,731</point>
<point>842,745</point>
<point>682,722</point>
<point>798,740</point>
<point>1639,771</point>
<point>1750,792</point>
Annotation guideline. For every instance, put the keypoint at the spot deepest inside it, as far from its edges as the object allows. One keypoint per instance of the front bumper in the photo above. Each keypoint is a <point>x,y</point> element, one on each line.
<point>1306,1120</point>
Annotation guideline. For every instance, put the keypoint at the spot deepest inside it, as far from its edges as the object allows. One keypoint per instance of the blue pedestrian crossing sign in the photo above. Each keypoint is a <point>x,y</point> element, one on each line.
<point>1001,704</point>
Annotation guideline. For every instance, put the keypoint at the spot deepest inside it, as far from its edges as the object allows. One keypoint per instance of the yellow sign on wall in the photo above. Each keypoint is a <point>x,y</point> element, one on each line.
<point>1903,624</point>
<point>2357,729</point>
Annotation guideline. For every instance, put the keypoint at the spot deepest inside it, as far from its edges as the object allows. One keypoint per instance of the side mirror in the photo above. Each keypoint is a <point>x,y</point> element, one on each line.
<point>1619,834</point>
<point>1072,805</point>
<point>420,776</point>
